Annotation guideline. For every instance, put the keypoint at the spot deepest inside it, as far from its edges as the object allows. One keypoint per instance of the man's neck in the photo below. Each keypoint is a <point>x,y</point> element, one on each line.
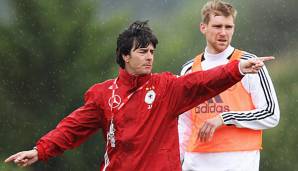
<point>224,54</point>
<point>129,71</point>
<point>212,50</point>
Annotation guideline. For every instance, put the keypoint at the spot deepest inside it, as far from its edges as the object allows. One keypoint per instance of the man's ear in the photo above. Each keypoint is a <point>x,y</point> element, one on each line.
<point>203,27</point>
<point>126,58</point>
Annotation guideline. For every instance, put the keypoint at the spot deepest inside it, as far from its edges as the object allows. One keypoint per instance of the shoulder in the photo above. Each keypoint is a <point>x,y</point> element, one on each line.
<point>186,67</point>
<point>164,78</point>
<point>247,55</point>
<point>163,75</point>
<point>100,86</point>
<point>95,91</point>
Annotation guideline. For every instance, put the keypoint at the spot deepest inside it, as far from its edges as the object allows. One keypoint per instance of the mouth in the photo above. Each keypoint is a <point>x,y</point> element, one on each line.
<point>148,66</point>
<point>222,40</point>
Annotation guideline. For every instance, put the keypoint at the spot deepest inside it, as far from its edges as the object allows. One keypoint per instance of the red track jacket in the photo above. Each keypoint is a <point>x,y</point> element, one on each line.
<point>146,131</point>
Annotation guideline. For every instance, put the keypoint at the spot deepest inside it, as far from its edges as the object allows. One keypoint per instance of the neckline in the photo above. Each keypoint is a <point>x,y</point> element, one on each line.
<point>132,81</point>
<point>219,56</point>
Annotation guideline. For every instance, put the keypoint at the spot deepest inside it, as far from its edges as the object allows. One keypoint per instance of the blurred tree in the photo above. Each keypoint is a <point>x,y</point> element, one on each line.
<point>50,55</point>
<point>280,144</point>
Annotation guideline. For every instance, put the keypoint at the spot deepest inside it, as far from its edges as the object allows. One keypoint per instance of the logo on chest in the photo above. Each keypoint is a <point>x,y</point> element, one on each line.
<point>114,101</point>
<point>214,105</point>
<point>150,96</point>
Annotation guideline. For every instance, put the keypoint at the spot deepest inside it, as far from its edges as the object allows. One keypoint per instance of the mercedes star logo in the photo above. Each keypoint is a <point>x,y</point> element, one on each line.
<point>114,101</point>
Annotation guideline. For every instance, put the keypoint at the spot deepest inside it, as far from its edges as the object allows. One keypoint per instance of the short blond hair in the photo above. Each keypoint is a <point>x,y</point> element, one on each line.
<point>217,8</point>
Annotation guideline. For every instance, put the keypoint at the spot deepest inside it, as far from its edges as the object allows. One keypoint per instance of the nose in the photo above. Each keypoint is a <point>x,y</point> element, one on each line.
<point>223,31</point>
<point>149,56</point>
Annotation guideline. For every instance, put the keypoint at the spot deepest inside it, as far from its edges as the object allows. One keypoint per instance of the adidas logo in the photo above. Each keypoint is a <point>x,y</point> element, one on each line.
<point>213,105</point>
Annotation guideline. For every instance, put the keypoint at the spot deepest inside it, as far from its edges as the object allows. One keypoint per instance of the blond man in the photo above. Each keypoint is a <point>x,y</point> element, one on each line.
<point>225,132</point>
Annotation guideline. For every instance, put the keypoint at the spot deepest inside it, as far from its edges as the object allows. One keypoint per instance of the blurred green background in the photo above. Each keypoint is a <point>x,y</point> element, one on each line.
<point>51,52</point>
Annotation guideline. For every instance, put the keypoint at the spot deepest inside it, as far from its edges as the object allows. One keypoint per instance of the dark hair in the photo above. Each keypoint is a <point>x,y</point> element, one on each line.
<point>138,35</point>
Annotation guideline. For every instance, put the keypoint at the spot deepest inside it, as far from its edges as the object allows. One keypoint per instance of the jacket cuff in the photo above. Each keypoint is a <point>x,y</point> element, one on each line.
<point>236,73</point>
<point>240,69</point>
<point>227,118</point>
<point>41,152</point>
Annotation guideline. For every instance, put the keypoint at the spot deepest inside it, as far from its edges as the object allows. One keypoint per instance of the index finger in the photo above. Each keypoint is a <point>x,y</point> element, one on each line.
<point>266,58</point>
<point>11,158</point>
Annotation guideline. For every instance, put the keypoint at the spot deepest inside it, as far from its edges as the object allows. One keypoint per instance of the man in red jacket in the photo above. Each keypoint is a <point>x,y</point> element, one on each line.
<point>138,110</point>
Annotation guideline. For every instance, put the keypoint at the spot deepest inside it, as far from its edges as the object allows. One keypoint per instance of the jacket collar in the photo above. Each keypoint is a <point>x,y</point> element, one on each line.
<point>132,81</point>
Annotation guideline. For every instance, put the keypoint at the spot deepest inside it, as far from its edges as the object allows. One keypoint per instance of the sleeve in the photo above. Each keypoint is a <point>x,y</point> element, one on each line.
<point>184,130</point>
<point>267,114</point>
<point>72,130</point>
<point>188,91</point>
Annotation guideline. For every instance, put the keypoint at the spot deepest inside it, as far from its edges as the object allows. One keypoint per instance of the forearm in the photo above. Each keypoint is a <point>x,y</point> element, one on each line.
<point>194,88</point>
<point>266,113</point>
<point>258,119</point>
<point>70,132</point>
<point>48,147</point>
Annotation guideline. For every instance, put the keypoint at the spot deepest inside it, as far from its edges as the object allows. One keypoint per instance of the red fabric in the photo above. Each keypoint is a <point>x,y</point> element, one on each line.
<point>146,138</point>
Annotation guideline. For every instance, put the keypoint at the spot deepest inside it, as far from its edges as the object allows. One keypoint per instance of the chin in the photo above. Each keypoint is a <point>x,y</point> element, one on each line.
<point>144,72</point>
<point>221,48</point>
<point>147,72</point>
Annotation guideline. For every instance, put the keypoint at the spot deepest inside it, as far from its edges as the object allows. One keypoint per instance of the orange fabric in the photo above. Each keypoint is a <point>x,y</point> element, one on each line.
<point>225,138</point>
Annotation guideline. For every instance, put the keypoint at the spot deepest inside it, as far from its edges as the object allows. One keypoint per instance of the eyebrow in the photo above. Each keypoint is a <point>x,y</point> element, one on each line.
<point>145,49</point>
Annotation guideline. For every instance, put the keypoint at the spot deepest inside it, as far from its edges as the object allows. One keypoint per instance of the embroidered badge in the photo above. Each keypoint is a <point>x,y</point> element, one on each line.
<point>150,96</point>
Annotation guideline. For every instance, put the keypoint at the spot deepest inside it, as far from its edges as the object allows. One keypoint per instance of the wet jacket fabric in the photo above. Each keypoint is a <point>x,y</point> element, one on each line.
<point>145,130</point>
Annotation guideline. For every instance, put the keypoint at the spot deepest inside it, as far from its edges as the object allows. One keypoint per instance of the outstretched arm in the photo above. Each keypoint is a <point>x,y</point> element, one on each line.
<point>69,133</point>
<point>192,89</point>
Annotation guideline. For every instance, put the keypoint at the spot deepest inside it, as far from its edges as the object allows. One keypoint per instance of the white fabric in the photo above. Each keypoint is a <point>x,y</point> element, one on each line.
<point>227,161</point>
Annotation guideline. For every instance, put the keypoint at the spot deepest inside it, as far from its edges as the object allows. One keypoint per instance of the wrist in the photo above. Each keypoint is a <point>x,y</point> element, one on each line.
<point>35,149</point>
<point>239,67</point>
<point>221,119</point>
